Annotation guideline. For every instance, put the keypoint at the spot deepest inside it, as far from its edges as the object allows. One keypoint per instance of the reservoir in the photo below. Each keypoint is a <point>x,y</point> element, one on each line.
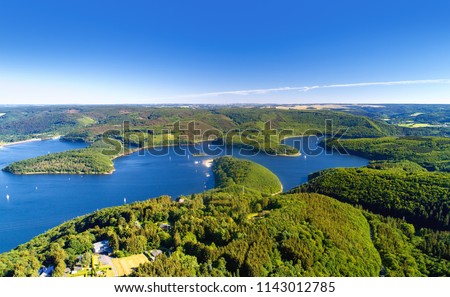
<point>32,204</point>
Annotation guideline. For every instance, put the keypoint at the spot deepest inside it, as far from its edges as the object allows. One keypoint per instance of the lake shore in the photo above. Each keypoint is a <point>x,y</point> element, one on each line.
<point>2,144</point>
<point>128,152</point>
<point>63,173</point>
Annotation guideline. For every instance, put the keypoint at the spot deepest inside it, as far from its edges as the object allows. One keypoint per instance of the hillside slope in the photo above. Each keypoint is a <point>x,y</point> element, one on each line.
<point>400,189</point>
<point>230,171</point>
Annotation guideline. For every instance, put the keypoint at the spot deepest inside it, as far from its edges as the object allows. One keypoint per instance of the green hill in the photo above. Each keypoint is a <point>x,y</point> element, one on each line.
<point>296,235</point>
<point>401,189</point>
<point>83,161</point>
<point>433,153</point>
<point>230,171</point>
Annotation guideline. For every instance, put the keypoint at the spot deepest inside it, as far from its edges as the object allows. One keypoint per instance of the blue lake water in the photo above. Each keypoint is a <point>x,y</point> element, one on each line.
<point>39,202</point>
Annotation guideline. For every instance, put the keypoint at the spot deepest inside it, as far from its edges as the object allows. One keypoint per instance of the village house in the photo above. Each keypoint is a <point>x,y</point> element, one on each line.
<point>165,226</point>
<point>154,254</point>
<point>46,271</point>
<point>102,247</point>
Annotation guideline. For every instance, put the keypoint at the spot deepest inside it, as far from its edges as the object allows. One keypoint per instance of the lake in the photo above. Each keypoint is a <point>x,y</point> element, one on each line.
<point>39,202</point>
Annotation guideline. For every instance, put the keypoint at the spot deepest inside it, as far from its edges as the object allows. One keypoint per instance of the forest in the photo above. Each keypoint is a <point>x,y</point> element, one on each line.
<point>432,153</point>
<point>230,232</point>
<point>399,189</point>
<point>230,171</point>
<point>81,161</point>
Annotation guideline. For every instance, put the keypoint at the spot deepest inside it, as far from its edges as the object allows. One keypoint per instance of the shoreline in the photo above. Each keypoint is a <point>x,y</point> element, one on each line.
<point>279,192</point>
<point>61,173</point>
<point>286,155</point>
<point>3,144</point>
<point>123,154</point>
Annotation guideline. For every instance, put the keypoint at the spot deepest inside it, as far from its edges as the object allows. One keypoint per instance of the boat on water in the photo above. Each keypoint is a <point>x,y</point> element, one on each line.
<point>7,196</point>
<point>207,163</point>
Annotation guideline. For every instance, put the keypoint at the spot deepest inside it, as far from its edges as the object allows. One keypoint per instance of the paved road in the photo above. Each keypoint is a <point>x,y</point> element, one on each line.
<point>106,260</point>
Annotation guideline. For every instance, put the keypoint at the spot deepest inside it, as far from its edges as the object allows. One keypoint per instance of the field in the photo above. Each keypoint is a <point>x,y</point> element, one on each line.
<point>124,266</point>
<point>416,125</point>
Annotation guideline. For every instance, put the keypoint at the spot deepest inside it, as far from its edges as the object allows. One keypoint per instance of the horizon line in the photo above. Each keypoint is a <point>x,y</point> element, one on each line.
<point>218,104</point>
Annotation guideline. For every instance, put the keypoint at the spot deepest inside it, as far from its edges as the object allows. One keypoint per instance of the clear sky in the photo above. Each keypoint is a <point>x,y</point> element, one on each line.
<point>300,51</point>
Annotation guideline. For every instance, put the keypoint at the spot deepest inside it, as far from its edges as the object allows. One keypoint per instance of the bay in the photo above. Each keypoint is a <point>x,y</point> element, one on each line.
<point>39,202</point>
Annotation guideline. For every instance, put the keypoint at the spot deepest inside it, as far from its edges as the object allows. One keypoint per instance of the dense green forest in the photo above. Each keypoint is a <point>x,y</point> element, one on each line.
<point>405,251</point>
<point>402,189</point>
<point>22,123</point>
<point>230,232</point>
<point>81,161</point>
<point>229,171</point>
<point>433,153</point>
<point>215,234</point>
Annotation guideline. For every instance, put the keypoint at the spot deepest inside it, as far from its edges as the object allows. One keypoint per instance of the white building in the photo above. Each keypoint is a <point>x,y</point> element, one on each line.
<point>102,247</point>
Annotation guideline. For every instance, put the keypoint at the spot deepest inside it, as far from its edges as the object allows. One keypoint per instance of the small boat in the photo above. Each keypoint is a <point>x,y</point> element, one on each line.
<point>196,162</point>
<point>36,188</point>
<point>304,157</point>
<point>7,196</point>
<point>125,200</point>
<point>208,175</point>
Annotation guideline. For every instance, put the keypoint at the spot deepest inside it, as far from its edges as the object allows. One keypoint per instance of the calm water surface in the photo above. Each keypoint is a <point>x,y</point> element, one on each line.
<point>39,202</point>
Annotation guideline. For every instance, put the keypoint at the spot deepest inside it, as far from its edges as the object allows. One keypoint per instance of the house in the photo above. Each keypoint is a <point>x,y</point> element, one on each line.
<point>102,247</point>
<point>77,268</point>
<point>46,271</point>
<point>165,226</point>
<point>154,254</point>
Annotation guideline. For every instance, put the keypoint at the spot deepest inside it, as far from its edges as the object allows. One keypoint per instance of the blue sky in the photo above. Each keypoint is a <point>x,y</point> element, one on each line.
<point>224,51</point>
